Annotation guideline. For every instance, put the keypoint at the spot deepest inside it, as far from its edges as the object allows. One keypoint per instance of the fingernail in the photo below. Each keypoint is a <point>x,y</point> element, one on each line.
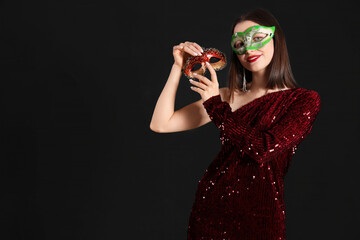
<point>194,73</point>
<point>207,63</point>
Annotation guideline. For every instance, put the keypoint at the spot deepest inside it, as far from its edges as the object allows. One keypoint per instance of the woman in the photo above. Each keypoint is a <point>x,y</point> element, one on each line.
<point>240,195</point>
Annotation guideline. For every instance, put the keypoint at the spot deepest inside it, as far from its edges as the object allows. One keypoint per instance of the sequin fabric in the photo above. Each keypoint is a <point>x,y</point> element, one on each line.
<point>240,196</point>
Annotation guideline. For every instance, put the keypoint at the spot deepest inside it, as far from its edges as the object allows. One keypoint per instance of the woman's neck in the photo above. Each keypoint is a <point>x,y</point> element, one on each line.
<point>259,81</point>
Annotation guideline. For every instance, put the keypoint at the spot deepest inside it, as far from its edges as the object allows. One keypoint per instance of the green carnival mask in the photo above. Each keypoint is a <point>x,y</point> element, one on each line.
<point>254,37</point>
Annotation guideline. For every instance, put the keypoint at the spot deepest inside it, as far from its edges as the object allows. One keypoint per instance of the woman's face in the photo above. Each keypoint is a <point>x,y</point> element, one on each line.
<point>266,52</point>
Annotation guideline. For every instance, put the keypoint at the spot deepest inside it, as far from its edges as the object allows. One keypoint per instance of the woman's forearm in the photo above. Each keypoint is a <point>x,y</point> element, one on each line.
<point>165,105</point>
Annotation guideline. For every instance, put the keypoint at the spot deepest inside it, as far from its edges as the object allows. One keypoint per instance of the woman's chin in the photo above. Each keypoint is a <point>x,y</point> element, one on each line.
<point>255,69</point>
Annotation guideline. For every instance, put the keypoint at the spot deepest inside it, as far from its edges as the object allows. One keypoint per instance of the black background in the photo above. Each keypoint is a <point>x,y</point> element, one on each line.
<point>79,83</point>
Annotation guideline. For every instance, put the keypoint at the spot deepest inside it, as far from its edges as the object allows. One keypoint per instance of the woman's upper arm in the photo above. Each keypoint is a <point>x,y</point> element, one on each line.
<point>191,116</point>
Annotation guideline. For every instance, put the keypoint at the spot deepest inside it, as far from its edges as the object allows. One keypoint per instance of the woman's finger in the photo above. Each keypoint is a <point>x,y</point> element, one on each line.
<point>203,79</point>
<point>177,47</point>
<point>212,72</point>
<point>199,47</point>
<point>196,89</point>
<point>198,84</point>
<point>193,48</point>
<point>190,50</point>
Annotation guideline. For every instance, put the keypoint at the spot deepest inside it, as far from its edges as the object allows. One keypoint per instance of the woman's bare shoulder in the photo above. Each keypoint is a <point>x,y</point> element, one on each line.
<point>223,92</point>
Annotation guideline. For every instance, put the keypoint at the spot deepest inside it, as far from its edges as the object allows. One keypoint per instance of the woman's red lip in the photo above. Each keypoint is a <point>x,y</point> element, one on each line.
<point>253,60</point>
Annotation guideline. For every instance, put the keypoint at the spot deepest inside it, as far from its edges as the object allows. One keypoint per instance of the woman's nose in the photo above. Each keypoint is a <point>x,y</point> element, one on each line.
<point>249,51</point>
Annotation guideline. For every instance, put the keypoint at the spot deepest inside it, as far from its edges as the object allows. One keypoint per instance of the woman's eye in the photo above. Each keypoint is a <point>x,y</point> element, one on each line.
<point>258,38</point>
<point>239,44</point>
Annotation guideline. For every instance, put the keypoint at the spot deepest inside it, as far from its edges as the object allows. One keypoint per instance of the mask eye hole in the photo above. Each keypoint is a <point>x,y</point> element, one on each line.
<point>238,44</point>
<point>214,60</point>
<point>196,67</point>
<point>259,36</point>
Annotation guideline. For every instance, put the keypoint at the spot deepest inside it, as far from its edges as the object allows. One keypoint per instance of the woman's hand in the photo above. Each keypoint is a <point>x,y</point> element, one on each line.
<point>205,87</point>
<point>183,51</point>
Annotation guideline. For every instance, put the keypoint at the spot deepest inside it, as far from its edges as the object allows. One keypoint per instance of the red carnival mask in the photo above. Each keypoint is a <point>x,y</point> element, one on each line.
<point>205,57</point>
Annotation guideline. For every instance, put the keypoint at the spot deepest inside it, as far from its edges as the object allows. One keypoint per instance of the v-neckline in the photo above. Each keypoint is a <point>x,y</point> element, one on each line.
<point>261,97</point>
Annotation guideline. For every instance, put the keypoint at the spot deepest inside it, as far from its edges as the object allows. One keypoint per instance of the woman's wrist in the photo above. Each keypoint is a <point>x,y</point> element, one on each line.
<point>176,66</point>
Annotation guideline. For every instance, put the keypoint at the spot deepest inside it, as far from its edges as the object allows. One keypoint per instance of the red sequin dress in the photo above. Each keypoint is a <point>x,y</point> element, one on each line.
<point>240,195</point>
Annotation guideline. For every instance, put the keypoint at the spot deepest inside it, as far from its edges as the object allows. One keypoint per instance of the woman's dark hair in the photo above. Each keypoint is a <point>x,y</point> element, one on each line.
<point>278,70</point>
